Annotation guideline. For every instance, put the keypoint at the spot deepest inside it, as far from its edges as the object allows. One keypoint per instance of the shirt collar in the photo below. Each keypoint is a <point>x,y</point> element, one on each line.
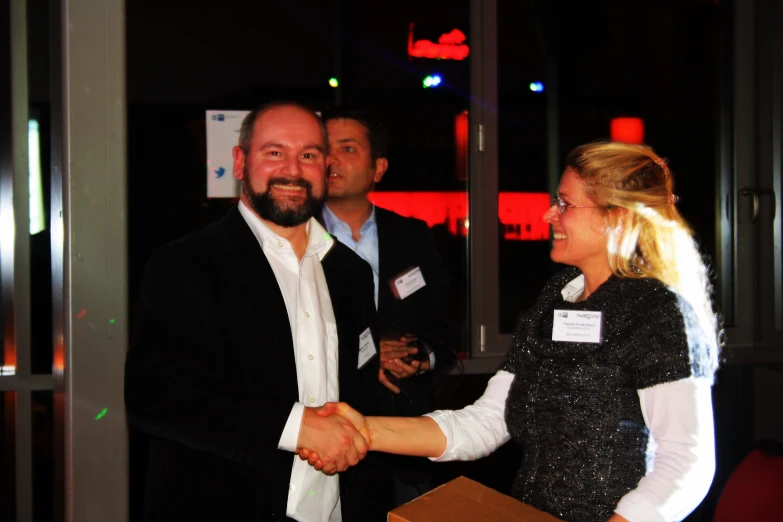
<point>333,223</point>
<point>319,242</point>
<point>574,288</point>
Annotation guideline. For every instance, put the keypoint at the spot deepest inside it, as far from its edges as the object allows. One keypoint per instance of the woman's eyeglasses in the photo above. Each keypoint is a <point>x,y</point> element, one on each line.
<point>562,206</point>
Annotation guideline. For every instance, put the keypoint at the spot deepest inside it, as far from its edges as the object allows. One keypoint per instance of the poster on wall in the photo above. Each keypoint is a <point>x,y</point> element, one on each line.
<point>222,135</point>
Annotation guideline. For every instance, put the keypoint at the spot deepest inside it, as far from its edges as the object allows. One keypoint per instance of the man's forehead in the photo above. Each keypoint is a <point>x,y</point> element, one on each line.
<point>288,121</point>
<point>286,113</point>
<point>344,129</point>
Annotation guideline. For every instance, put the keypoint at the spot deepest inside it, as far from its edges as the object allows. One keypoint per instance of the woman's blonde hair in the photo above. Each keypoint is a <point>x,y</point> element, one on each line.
<point>649,238</point>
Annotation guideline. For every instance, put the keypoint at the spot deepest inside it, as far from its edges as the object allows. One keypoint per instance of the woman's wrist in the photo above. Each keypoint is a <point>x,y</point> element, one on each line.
<point>372,433</point>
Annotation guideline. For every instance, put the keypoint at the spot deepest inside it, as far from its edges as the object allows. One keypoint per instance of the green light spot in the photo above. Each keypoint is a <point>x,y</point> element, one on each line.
<point>111,321</point>
<point>311,493</point>
<point>333,82</point>
<point>102,414</point>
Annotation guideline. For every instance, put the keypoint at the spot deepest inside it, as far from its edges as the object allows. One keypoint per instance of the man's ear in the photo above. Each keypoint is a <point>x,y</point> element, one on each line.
<point>239,162</point>
<point>381,164</point>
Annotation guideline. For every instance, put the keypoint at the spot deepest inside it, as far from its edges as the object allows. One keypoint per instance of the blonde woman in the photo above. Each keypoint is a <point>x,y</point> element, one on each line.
<point>607,385</point>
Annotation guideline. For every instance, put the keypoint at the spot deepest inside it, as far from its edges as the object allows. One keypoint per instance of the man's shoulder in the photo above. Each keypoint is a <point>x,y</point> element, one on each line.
<point>340,257</point>
<point>396,221</point>
<point>196,240</point>
<point>195,248</point>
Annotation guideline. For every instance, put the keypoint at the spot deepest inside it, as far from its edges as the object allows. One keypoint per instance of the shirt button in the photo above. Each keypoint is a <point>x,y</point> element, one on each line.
<point>279,243</point>
<point>291,487</point>
<point>312,400</point>
<point>307,314</point>
<point>310,357</point>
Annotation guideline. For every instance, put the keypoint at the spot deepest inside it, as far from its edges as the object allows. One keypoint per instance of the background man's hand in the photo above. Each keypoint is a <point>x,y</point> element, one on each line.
<point>335,440</point>
<point>397,348</point>
<point>392,353</point>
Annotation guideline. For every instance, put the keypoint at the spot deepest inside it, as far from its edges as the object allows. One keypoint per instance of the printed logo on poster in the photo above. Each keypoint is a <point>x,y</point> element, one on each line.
<point>222,128</point>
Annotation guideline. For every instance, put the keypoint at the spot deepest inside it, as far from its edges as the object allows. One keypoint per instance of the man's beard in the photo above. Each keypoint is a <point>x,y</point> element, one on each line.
<point>270,209</point>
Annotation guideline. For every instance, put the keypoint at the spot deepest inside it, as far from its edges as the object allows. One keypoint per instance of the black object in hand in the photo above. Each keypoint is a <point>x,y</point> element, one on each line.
<point>422,355</point>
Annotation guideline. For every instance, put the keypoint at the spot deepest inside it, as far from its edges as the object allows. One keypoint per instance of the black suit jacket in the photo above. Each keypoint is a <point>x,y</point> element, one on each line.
<point>405,243</point>
<point>211,377</point>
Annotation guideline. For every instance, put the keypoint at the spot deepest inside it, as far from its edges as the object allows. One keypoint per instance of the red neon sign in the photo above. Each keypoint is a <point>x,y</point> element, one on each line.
<point>520,213</point>
<point>449,46</point>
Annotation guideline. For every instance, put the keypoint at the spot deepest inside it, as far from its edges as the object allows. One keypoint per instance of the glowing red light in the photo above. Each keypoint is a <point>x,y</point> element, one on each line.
<point>461,131</point>
<point>627,130</point>
<point>520,213</point>
<point>449,46</point>
<point>435,208</point>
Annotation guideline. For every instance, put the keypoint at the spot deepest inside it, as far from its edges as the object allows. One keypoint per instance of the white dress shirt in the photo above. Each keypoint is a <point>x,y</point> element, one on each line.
<point>312,496</point>
<point>681,453</point>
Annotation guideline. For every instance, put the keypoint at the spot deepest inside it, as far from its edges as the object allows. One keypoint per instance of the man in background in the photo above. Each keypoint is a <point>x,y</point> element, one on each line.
<point>417,338</point>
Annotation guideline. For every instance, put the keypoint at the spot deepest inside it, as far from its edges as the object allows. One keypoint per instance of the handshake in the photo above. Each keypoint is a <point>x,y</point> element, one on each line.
<point>333,437</point>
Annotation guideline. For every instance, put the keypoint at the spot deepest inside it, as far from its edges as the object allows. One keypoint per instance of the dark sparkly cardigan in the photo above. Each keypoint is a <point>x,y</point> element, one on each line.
<point>574,407</point>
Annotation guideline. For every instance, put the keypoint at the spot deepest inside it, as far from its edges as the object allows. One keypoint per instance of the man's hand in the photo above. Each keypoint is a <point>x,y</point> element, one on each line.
<point>392,353</point>
<point>336,442</point>
<point>397,348</point>
<point>331,410</point>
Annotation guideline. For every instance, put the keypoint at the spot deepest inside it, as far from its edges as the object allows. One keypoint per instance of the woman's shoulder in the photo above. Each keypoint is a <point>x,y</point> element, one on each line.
<point>642,292</point>
<point>669,339</point>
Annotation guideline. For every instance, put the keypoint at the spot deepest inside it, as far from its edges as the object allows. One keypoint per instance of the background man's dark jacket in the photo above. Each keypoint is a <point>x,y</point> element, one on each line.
<point>405,243</point>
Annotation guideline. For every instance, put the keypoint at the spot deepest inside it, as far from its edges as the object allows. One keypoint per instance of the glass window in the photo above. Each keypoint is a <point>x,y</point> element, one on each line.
<point>659,62</point>
<point>523,183</point>
<point>7,456</point>
<point>40,242</point>
<point>2,317</point>
<point>43,455</point>
<point>424,104</point>
<point>40,167</point>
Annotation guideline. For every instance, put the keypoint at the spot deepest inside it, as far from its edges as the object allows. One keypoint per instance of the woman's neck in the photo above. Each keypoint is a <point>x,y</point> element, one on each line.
<point>593,279</point>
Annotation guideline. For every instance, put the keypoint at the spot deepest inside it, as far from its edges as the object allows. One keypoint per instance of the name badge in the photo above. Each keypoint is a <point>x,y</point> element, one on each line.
<point>367,348</point>
<point>577,327</point>
<point>408,282</point>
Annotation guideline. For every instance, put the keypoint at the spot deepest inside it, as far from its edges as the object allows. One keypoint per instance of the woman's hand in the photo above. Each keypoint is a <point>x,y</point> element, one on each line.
<point>342,409</point>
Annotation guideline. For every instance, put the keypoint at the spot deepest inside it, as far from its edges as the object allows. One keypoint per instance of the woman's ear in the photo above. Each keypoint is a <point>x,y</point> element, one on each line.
<point>615,219</point>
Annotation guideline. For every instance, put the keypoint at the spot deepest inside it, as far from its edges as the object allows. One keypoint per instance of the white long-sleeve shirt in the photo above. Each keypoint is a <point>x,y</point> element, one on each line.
<point>678,415</point>
<point>312,495</point>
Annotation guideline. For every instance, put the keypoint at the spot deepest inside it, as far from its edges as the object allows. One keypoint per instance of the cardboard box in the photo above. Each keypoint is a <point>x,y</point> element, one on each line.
<point>463,500</point>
